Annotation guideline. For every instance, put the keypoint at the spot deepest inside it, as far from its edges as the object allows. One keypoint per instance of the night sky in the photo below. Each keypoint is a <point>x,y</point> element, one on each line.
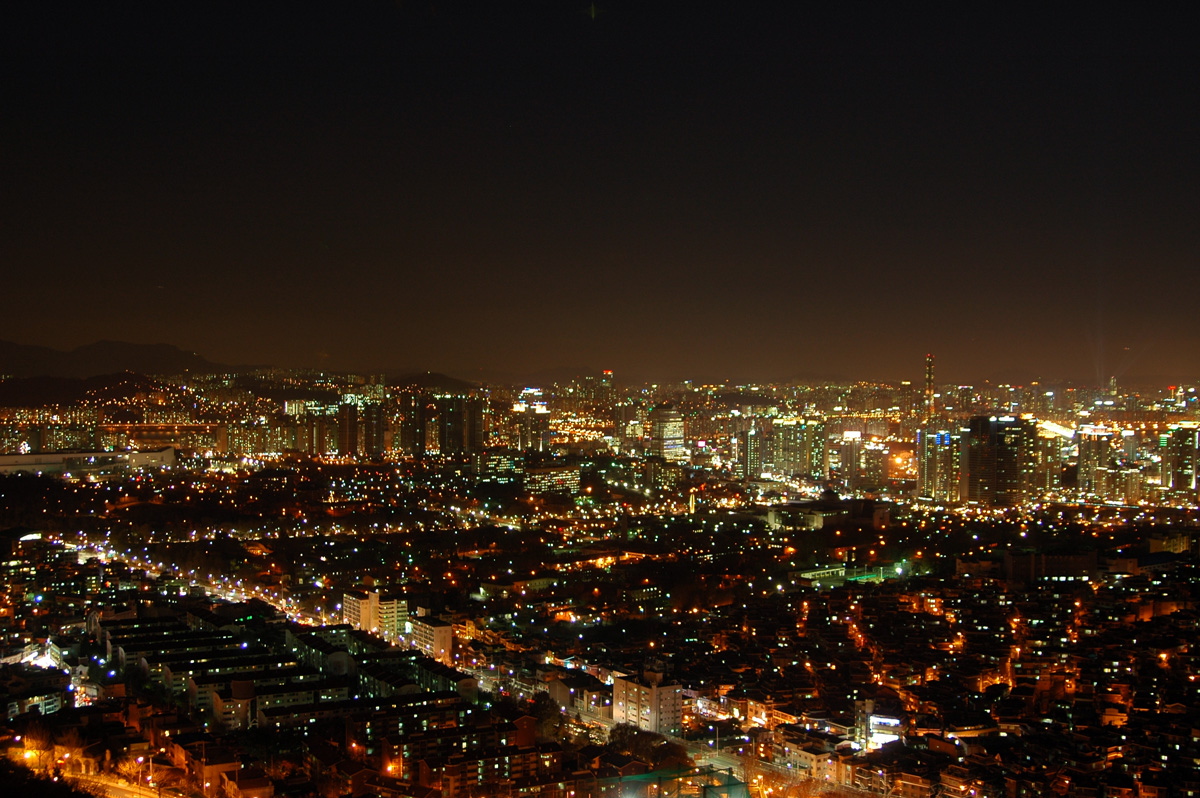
<point>669,190</point>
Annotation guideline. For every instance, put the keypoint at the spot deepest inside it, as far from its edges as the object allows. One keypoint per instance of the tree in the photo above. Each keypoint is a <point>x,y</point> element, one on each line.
<point>669,754</point>
<point>130,768</point>
<point>17,780</point>
<point>548,714</point>
<point>38,745</point>
<point>625,738</point>
<point>167,777</point>
<point>621,737</point>
<point>69,744</point>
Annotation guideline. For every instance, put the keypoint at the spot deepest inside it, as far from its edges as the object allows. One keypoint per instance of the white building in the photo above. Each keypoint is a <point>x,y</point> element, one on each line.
<point>360,609</point>
<point>433,637</point>
<point>648,703</point>
<point>393,615</point>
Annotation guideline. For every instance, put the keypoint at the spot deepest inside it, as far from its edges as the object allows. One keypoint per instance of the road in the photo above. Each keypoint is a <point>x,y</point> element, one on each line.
<point>113,787</point>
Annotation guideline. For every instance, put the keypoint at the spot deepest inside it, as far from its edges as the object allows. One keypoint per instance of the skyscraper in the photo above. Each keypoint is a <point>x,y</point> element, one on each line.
<point>751,465</point>
<point>798,447</point>
<point>374,430</point>
<point>629,418</point>
<point>460,423</point>
<point>939,464</point>
<point>666,435</point>
<point>849,456</point>
<point>1179,459</point>
<point>607,395</point>
<point>413,415</point>
<point>1049,449</point>
<point>1095,455</point>
<point>347,429</point>
<point>874,472</point>
<point>476,422</point>
<point>999,461</point>
<point>533,426</point>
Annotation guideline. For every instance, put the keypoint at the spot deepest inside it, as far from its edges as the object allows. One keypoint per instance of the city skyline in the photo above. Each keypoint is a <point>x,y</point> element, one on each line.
<point>667,192</point>
<point>100,358</point>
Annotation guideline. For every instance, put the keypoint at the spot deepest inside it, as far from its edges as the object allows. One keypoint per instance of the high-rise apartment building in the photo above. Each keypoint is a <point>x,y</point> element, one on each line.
<point>451,420</point>
<point>753,442</point>
<point>939,464</point>
<point>1095,456</point>
<point>1179,459</point>
<point>347,429</point>
<point>999,460</point>
<point>849,454</point>
<point>798,448</point>
<point>373,430</point>
<point>874,465</point>
<point>450,424</point>
<point>1048,458</point>
<point>414,411</point>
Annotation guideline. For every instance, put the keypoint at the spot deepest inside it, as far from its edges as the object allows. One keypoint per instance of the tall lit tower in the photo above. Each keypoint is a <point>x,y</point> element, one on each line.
<point>928,386</point>
<point>607,397</point>
<point>666,435</point>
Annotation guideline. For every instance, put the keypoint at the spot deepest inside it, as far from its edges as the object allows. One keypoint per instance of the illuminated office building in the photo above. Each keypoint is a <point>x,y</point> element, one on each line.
<point>533,426</point>
<point>666,435</point>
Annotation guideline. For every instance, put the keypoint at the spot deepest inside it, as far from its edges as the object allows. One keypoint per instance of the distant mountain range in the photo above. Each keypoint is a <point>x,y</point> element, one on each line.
<point>102,357</point>
<point>35,375</point>
<point>429,380</point>
<point>541,378</point>
<point>41,391</point>
<point>46,367</point>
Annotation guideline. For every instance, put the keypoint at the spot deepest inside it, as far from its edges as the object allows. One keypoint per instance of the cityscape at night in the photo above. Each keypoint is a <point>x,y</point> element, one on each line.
<point>599,400</point>
<point>296,582</point>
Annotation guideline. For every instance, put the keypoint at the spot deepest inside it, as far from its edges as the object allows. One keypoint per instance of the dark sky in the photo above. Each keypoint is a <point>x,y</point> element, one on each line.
<point>668,190</point>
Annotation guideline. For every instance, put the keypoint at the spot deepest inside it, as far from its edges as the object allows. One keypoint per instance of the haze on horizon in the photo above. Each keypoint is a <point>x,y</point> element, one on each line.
<point>667,191</point>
